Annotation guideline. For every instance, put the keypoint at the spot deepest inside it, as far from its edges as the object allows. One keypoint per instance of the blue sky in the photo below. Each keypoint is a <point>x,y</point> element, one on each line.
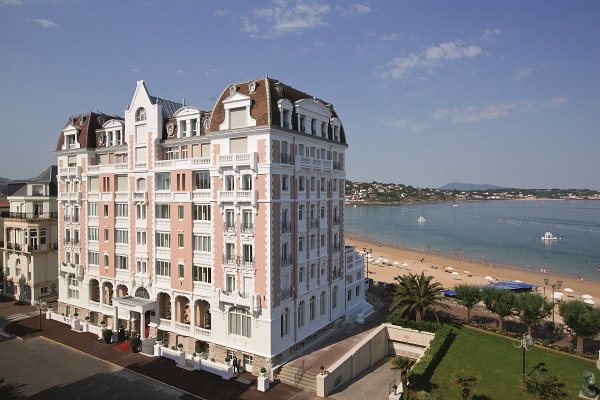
<point>429,92</point>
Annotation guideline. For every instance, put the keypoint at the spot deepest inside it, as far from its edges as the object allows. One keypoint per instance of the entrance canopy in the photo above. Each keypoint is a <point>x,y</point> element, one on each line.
<point>136,304</point>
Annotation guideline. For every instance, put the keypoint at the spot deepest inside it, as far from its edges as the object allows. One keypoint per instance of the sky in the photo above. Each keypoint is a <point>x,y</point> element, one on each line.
<point>429,92</point>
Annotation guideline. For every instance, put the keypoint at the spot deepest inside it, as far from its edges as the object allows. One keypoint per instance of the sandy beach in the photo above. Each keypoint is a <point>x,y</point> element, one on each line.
<point>469,272</point>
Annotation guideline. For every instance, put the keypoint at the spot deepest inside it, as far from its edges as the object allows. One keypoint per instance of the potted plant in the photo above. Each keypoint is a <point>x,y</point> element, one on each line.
<point>263,371</point>
<point>227,359</point>
<point>180,347</point>
<point>159,336</point>
<point>75,315</point>
<point>87,318</point>
<point>107,335</point>
<point>135,343</point>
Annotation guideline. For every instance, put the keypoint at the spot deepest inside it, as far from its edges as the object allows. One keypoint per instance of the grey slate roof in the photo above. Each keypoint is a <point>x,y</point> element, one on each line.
<point>46,176</point>
<point>168,107</point>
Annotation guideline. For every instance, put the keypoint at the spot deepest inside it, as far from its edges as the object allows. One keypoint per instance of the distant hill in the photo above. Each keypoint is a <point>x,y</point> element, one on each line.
<point>469,186</point>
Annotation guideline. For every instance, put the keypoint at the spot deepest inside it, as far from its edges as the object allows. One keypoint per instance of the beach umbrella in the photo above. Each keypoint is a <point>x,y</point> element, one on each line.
<point>587,296</point>
<point>396,263</point>
<point>449,268</point>
<point>377,261</point>
<point>488,278</point>
<point>386,260</point>
<point>589,301</point>
<point>568,290</point>
<point>405,264</point>
<point>455,273</point>
<point>558,295</point>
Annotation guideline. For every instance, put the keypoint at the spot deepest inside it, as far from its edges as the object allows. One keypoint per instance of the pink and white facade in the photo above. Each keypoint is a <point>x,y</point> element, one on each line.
<point>223,229</point>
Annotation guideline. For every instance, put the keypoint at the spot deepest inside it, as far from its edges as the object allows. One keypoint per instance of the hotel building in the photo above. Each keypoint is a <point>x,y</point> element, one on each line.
<point>30,239</point>
<point>220,230</point>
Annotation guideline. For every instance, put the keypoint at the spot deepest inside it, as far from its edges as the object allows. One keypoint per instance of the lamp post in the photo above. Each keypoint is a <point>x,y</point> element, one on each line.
<point>555,286</point>
<point>366,254</point>
<point>41,306</point>
<point>525,344</point>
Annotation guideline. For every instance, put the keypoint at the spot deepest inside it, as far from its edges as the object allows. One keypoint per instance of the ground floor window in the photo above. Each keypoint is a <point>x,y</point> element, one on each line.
<point>240,322</point>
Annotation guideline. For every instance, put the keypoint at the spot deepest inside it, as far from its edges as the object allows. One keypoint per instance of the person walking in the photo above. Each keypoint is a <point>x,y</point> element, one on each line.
<point>236,367</point>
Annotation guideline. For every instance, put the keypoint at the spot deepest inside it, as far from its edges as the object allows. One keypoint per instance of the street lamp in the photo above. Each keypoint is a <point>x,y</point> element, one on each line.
<point>41,306</point>
<point>525,344</point>
<point>366,254</point>
<point>555,286</point>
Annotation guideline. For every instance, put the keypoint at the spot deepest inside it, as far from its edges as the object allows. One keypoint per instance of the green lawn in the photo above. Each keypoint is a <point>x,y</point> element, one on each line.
<point>499,365</point>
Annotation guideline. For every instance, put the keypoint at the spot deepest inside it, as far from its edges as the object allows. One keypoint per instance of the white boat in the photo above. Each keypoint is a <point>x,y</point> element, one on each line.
<point>549,236</point>
<point>421,220</point>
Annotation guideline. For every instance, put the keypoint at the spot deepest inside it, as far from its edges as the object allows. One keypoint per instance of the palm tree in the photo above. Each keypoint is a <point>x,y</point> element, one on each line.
<point>415,293</point>
<point>543,387</point>
<point>402,364</point>
<point>465,381</point>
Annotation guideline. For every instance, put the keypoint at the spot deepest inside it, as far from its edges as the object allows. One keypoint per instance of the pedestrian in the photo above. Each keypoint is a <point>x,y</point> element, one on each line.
<point>236,368</point>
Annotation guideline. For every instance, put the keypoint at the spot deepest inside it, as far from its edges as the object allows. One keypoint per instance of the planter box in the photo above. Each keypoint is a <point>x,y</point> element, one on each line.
<point>223,370</point>
<point>76,324</point>
<point>263,382</point>
<point>175,355</point>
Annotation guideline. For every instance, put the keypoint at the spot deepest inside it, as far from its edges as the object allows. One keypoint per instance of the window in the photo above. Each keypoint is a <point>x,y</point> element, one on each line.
<point>323,186</point>
<point>122,210</point>
<point>106,261</point>
<point>163,181</point>
<point>93,209</point>
<point>202,243</point>
<point>357,291</point>
<point>285,185</point>
<point>93,234</point>
<point>106,234</point>
<point>311,308</point>
<point>301,243</point>
<point>121,262</point>
<point>229,283</point>
<point>140,114</point>
<point>184,152</point>
<point>163,211</point>
<point>183,130</point>
<point>247,182</point>
<point>301,314</point>
<point>301,274</point>
<point>93,257</point>
<point>240,322</point>
<point>180,240</point>
<point>180,212</point>
<point>247,223</point>
<point>313,270</point>
<point>194,126</point>
<point>43,235</point>
<point>172,153</point>
<point>301,184</point>
<point>106,210</point>
<point>230,251</point>
<point>323,129</point>
<point>202,212</point>
<point>287,116</point>
<point>313,242</point>
<point>163,240</point>
<point>140,185</point>
<point>285,322</point>
<point>334,297</point>
<point>322,240</point>
<point>163,268</point>
<point>349,294</point>
<point>301,212</point>
<point>202,274</point>
<point>248,253</point>
<point>322,304</point>
<point>122,236</point>
<point>301,126</point>
<point>140,238</point>
<point>181,270</point>
<point>140,212</point>
<point>334,186</point>
<point>313,184</point>
<point>140,266</point>
<point>201,180</point>
<point>313,126</point>
<point>237,118</point>
<point>322,211</point>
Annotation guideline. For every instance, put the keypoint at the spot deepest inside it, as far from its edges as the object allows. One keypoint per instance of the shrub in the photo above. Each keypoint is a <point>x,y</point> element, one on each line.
<point>263,370</point>
<point>180,346</point>
<point>423,369</point>
<point>425,326</point>
<point>87,318</point>
<point>227,359</point>
<point>75,315</point>
<point>194,354</point>
<point>135,343</point>
<point>159,336</point>
<point>107,335</point>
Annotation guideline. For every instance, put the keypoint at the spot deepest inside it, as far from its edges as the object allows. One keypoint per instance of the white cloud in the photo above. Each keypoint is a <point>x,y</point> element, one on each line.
<point>404,124</point>
<point>9,3</point>
<point>180,72</point>
<point>286,18</point>
<point>356,9</point>
<point>491,34</point>
<point>221,13</point>
<point>384,37</point>
<point>522,73</point>
<point>44,23</point>
<point>472,114</point>
<point>433,56</point>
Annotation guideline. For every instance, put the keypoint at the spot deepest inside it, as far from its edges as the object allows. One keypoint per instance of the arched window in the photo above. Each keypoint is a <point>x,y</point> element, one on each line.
<point>239,322</point>
<point>322,303</point>
<point>312,308</point>
<point>301,314</point>
<point>141,185</point>
<point>140,114</point>
<point>285,322</point>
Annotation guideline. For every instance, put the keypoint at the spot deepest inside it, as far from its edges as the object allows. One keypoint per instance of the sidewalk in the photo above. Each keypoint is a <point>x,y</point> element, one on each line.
<point>198,383</point>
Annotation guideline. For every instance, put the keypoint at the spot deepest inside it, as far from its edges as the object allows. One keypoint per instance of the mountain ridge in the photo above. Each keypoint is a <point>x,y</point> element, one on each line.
<point>470,186</point>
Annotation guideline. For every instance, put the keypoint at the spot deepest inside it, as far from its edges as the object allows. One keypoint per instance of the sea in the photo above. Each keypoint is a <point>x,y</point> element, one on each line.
<point>502,232</point>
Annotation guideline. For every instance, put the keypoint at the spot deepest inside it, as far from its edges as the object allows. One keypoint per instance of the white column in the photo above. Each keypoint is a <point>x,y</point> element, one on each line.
<point>193,317</point>
<point>116,319</point>
<point>173,311</point>
<point>143,324</point>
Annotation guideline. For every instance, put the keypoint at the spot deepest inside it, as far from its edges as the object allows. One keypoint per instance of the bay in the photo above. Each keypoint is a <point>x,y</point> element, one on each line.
<point>497,232</point>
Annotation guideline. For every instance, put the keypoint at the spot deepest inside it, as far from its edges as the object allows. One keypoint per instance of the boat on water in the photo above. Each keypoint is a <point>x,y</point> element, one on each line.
<point>421,220</point>
<point>548,236</point>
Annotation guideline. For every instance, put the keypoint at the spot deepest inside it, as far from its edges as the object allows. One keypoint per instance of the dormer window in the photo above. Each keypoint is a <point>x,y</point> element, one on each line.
<point>237,118</point>
<point>194,124</point>
<point>336,133</point>
<point>313,126</point>
<point>140,114</point>
<point>183,129</point>
<point>237,112</point>
<point>323,130</point>
<point>285,113</point>
<point>70,141</point>
<point>301,127</point>
<point>115,138</point>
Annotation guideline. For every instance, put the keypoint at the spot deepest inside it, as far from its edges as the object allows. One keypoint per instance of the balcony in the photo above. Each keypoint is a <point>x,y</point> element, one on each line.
<point>202,195</point>
<point>336,247</point>
<point>314,164</point>
<point>94,270</point>
<point>204,333</point>
<point>165,323</point>
<point>336,221</point>
<point>95,306</point>
<point>69,172</point>
<point>286,227</point>
<point>163,197</point>
<point>248,263</point>
<point>163,225</point>
<point>108,309</point>
<point>286,293</point>
<point>286,259</point>
<point>140,197</point>
<point>238,196</point>
<point>286,159</point>
<point>238,160</point>
<point>163,281</point>
<point>247,229</point>
<point>203,289</point>
<point>337,166</point>
<point>202,226</point>
<point>69,196</point>
<point>229,227</point>
<point>182,328</point>
<point>201,162</point>
<point>236,298</point>
<point>229,259</point>
<point>106,196</point>
<point>314,223</point>
<point>202,258</point>
<point>107,168</point>
<point>29,216</point>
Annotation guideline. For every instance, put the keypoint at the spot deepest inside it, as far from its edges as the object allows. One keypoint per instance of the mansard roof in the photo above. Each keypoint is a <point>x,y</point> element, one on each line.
<point>18,189</point>
<point>265,94</point>
<point>85,124</point>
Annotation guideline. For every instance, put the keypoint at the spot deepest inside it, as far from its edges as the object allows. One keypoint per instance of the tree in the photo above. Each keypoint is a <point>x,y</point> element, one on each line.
<point>543,387</point>
<point>583,319</point>
<point>468,296</point>
<point>532,308</point>
<point>465,380</point>
<point>499,301</point>
<point>402,364</point>
<point>415,293</point>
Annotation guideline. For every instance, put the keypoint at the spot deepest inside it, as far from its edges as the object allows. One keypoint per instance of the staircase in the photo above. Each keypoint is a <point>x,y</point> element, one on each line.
<point>307,381</point>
